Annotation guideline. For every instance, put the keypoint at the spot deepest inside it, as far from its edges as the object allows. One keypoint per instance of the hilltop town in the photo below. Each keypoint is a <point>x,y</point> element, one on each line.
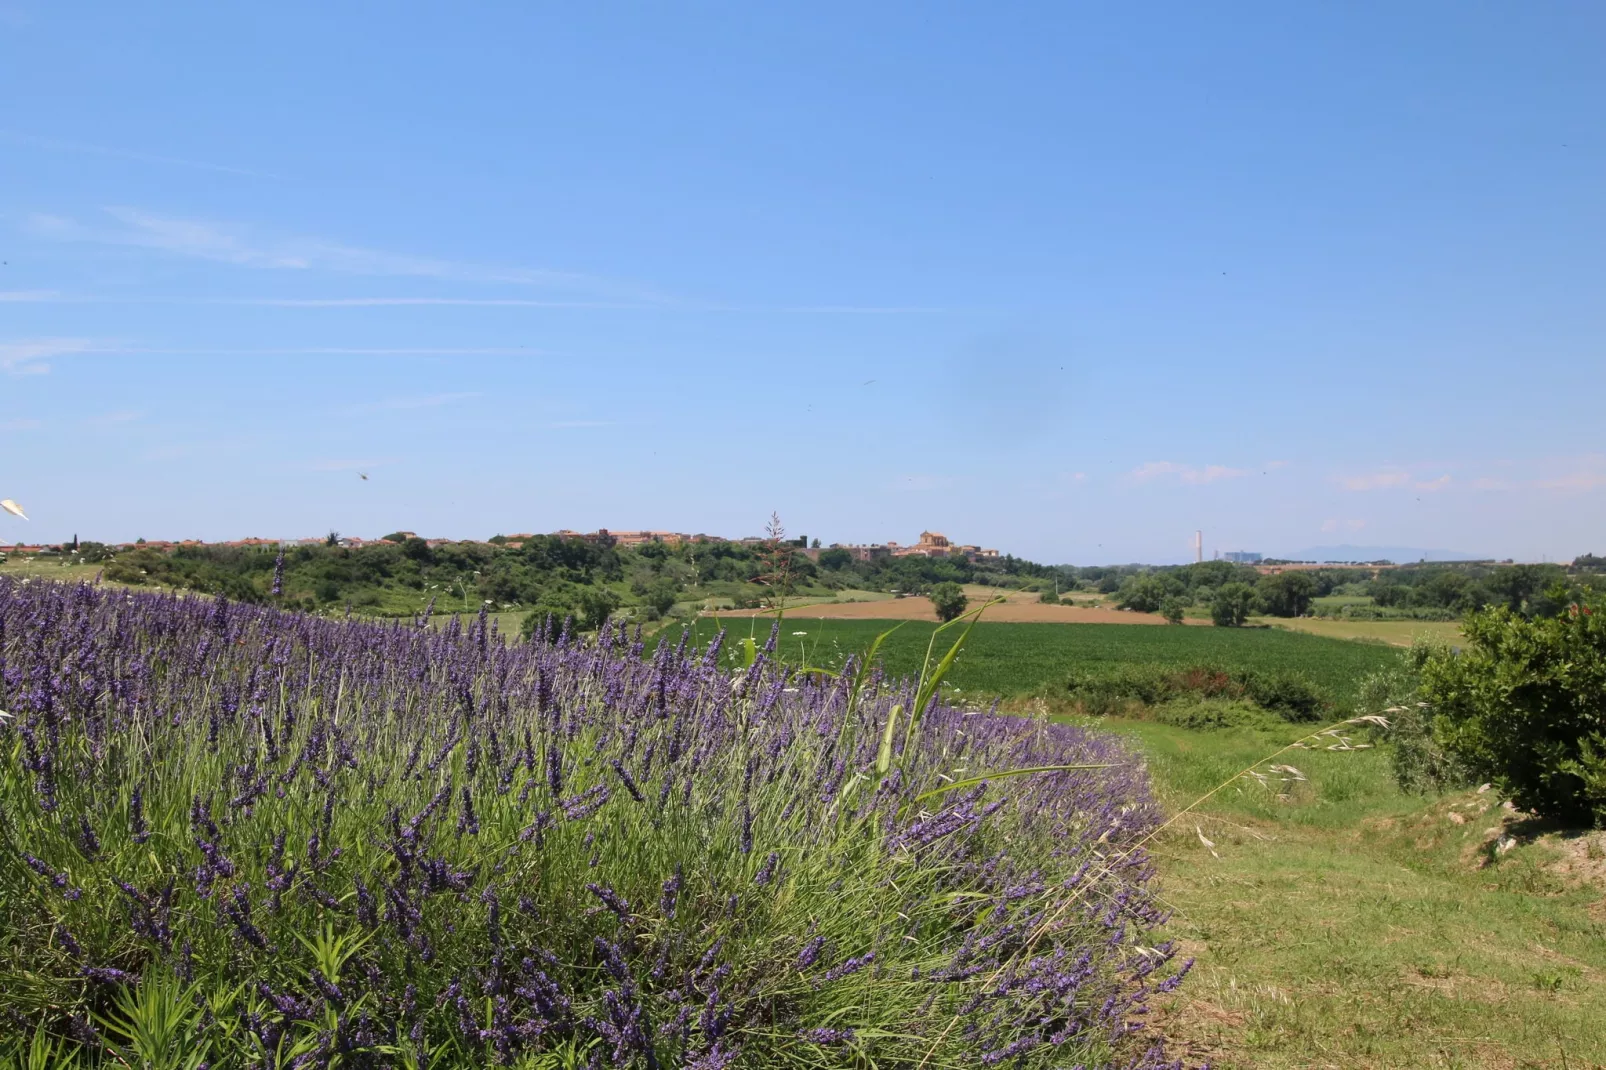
<point>930,544</point>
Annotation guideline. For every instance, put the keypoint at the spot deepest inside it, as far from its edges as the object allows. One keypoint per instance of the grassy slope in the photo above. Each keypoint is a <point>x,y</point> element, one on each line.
<point>1351,926</point>
<point>1014,659</point>
<point>48,569</point>
<point>1393,632</point>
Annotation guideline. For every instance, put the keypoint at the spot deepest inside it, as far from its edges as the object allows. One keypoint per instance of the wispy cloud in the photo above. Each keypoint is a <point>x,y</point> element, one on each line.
<point>1392,478</point>
<point>57,145</point>
<point>1575,474</point>
<point>340,351</point>
<point>21,425</point>
<point>1272,466</point>
<point>29,356</point>
<point>1347,525</point>
<point>27,296</point>
<point>402,302</point>
<point>1153,470</point>
<point>32,356</point>
<point>581,423</point>
<point>425,401</point>
<point>244,246</point>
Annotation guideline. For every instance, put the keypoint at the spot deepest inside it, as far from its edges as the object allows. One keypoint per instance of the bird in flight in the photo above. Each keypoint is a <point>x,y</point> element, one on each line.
<point>867,382</point>
<point>363,476</point>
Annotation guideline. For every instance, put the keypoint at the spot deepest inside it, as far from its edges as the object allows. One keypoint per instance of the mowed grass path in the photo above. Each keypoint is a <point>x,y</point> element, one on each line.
<point>1023,659</point>
<point>1353,926</point>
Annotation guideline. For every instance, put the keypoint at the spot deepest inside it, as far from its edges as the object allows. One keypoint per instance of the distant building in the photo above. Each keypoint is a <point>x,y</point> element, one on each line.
<point>1242,557</point>
<point>931,544</point>
<point>864,552</point>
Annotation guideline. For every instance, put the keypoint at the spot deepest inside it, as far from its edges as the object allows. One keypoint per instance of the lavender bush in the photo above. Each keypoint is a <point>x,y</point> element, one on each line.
<point>235,837</point>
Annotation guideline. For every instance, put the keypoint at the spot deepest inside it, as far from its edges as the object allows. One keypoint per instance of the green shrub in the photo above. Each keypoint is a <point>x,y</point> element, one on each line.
<point>1232,604</point>
<point>949,600</point>
<point>1283,691</point>
<point>1420,762</point>
<point>1286,594</point>
<point>1291,695</point>
<point>1213,713</point>
<point>1524,706</point>
<point>597,604</point>
<point>1173,608</point>
<point>536,620</point>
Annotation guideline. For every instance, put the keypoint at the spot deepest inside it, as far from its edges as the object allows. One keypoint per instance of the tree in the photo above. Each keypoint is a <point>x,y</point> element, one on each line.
<point>332,539</point>
<point>835,559</point>
<point>1287,594</point>
<point>1146,592</point>
<point>661,595</point>
<point>949,600</point>
<point>1173,608</point>
<point>1231,606</point>
<point>597,604</point>
<point>1524,707</point>
<point>536,624</point>
<point>1518,585</point>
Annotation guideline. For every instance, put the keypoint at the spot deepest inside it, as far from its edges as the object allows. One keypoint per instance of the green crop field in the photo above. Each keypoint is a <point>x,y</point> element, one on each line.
<point>1021,659</point>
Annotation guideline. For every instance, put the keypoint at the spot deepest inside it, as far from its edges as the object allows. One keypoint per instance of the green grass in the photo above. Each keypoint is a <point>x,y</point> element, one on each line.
<point>1338,601</point>
<point>47,568</point>
<point>1392,632</point>
<point>1353,926</point>
<point>1021,659</point>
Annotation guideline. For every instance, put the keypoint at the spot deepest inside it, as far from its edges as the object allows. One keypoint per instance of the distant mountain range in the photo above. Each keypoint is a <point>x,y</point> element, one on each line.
<point>1397,554</point>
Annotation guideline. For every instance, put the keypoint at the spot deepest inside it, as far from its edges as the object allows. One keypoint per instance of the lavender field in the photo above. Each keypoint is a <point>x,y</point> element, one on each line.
<point>235,837</point>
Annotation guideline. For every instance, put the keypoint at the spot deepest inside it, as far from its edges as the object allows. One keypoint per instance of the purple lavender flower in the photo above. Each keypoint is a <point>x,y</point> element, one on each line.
<point>851,966</point>
<point>466,819</point>
<point>670,897</point>
<point>88,842</point>
<point>628,781</point>
<point>610,899</point>
<point>810,953</point>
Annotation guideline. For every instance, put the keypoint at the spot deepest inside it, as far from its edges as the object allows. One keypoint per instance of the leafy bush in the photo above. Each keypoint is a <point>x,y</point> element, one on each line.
<point>545,623</point>
<point>1291,695</point>
<point>1524,706</point>
<point>248,838</point>
<point>1286,594</point>
<point>1146,593</point>
<point>597,604</point>
<point>1173,608</point>
<point>949,600</point>
<point>1232,605</point>
<point>1420,762</point>
<point>1205,714</point>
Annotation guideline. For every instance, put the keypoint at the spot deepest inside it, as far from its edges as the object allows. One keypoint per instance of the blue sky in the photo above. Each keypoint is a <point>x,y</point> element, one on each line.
<point>1071,280</point>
